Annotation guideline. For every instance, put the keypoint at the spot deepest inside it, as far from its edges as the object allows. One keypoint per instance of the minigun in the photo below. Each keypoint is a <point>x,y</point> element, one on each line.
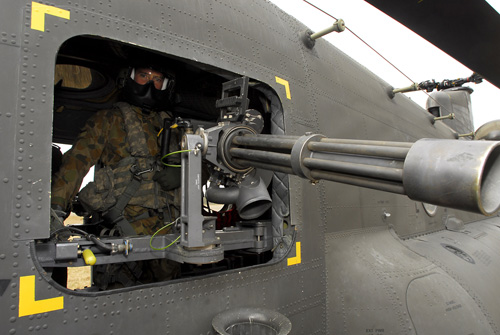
<point>450,173</point>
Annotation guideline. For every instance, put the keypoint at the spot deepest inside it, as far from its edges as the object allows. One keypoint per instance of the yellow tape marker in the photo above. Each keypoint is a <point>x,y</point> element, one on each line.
<point>287,87</point>
<point>27,303</point>
<point>298,256</point>
<point>38,12</point>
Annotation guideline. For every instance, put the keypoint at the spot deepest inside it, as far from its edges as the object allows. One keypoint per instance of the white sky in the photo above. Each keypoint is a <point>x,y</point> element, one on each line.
<point>413,55</point>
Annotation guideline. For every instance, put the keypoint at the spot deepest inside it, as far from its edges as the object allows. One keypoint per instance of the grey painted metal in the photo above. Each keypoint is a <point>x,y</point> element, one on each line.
<point>266,141</point>
<point>299,152</point>
<point>46,253</point>
<point>260,164</point>
<point>355,275</point>
<point>488,131</point>
<point>478,157</point>
<point>365,142</point>
<point>251,321</point>
<point>432,288</point>
<point>274,158</point>
<point>360,159</point>
<point>370,171</point>
<point>196,230</point>
<point>354,149</point>
<point>254,236</point>
<point>456,101</point>
<point>386,186</point>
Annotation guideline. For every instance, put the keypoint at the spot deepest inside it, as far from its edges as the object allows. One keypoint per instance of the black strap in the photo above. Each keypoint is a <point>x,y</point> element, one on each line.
<point>114,215</point>
<point>137,141</point>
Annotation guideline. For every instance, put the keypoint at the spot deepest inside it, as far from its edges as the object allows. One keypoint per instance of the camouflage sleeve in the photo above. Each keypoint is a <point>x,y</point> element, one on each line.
<point>77,161</point>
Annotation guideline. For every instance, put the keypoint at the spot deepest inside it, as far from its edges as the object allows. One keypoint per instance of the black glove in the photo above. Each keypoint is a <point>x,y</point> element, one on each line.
<point>169,178</point>
<point>57,216</point>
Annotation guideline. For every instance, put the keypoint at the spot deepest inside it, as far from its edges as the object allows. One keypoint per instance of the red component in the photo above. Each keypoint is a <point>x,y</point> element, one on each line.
<point>227,218</point>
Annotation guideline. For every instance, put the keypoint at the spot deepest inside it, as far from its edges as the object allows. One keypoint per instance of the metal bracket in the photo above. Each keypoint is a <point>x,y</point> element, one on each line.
<point>301,151</point>
<point>234,101</point>
<point>309,37</point>
<point>197,231</point>
<point>450,116</point>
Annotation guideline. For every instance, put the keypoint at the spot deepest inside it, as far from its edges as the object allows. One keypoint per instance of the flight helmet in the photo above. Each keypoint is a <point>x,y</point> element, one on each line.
<point>149,87</point>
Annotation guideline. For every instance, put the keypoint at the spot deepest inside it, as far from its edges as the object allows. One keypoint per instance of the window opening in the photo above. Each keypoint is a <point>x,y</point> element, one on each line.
<point>86,83</point>
<point>73,76</point>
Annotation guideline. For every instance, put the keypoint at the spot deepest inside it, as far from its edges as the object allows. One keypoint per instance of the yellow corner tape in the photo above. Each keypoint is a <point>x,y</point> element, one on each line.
<point>27,303</point>
<point>287,87</point>
<point>38,12</point>
<point>298,256</point>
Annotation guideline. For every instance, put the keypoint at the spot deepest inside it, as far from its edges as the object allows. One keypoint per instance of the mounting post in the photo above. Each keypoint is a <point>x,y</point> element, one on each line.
<point>450,116</point>
<point>338,26</point>
<point>309,38</point>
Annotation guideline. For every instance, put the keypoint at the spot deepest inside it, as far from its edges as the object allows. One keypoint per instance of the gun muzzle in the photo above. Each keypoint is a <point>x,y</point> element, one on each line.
<point>457,174</point>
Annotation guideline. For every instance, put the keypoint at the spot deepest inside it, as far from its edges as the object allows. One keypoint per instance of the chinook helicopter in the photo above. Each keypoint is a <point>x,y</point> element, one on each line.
<point>334,204</point>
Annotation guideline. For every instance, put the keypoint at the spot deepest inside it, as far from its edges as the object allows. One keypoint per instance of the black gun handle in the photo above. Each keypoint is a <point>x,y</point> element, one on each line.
<point>165,140</point>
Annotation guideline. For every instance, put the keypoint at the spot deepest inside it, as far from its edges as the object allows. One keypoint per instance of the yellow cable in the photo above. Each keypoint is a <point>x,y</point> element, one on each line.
<point>172,153</point>
<point>163,248</point>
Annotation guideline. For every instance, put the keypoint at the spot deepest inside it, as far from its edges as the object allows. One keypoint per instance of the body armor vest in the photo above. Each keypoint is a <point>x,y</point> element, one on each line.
<point>111,183</point>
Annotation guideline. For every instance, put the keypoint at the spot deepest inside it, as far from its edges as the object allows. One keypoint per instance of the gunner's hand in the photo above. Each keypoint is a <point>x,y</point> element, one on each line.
<point>169,178</point>
<point>57,216</point>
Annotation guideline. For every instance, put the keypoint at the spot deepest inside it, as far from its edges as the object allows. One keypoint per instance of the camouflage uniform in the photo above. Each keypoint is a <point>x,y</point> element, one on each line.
<point>105,139</point>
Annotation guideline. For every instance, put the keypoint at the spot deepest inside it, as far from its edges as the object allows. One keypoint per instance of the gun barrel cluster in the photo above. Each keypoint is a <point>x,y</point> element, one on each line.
<point>450,173</point>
